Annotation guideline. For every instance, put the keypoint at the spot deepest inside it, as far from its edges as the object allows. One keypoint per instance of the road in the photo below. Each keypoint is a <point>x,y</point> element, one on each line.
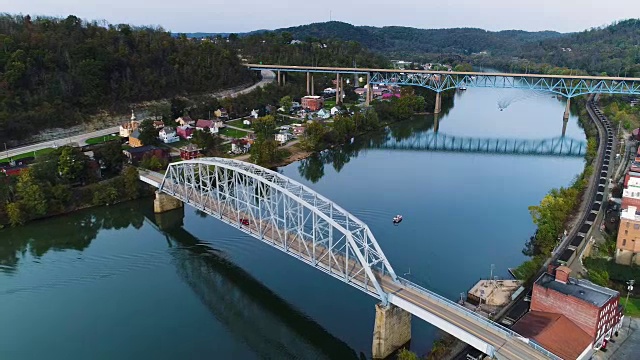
<point>267,77</point>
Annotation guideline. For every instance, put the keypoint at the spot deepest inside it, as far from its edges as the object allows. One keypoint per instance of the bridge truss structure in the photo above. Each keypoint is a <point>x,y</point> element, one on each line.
<point>568,86</point>
<point>284,214</point>
<point>558,146</point>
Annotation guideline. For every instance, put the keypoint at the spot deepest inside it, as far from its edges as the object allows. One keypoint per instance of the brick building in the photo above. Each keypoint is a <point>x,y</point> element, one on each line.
<point>189,152</point>
<point>136,154</point>
<point>312,103</point>
<point>573,316</point>
<point>628,242</point>
<point>631,196</point>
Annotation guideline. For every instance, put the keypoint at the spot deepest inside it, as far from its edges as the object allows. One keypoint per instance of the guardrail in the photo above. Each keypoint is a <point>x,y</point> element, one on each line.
<point>482,321</point>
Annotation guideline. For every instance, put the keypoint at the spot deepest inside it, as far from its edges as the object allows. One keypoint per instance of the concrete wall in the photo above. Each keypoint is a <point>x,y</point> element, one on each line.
<point>391,331</point>
<point>164,202</point>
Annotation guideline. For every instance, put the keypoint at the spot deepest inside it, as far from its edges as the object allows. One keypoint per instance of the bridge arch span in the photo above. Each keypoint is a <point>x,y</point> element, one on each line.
<point>284,214</point>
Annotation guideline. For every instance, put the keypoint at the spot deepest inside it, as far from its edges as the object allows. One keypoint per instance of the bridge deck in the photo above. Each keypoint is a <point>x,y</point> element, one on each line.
<point>430,307</point>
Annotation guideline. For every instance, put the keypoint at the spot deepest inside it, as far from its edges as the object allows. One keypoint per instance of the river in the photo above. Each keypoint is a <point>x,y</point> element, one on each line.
<point>109,283</point>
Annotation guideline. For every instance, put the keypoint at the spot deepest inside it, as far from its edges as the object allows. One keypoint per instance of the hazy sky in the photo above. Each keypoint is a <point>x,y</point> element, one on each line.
<point>247,15</point>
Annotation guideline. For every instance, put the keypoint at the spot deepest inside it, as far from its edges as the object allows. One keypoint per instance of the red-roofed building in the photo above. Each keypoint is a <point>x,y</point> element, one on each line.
<point>189,152</point>
<point>556,333</point>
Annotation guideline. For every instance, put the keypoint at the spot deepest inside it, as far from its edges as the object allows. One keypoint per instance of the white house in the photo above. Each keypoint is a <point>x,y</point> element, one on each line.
<point>283,137</point>
<point>329,91</point>
<point>168,135</point>
<point>324,114</point>
<point>246,122</point>
<point>254,114</point>
<point>335,111</point>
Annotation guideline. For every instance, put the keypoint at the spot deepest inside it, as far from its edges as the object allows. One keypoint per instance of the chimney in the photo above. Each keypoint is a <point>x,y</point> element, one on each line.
<point>562,274</point>
<point>551,268</point>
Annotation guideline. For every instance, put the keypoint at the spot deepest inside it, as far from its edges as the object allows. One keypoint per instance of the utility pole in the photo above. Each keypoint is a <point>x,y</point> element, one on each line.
<point>492,267</point>
<point>629,290</point>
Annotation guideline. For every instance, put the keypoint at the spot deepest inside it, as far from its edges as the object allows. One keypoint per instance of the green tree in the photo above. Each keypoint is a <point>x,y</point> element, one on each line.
<point>313,135</point>
<point>148,133</point>
<point>15,213</point>
<point>599,277</point>
<point>286,103</point>
<point>131,182</point>
<point>405,354</point>
<point>31,195</point>
<point>72,164</point>
<point>208,142</point>
<point>110,156</point>
<point>106,195</point>
<point>264,127</point>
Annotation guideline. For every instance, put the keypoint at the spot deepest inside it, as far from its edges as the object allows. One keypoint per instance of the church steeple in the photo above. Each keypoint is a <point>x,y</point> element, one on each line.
<point>133,115</point>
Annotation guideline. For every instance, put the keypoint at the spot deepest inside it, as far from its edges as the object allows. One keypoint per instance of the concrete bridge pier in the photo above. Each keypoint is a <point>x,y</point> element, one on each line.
<point>278,76</point>
<point>164,202</point>
<point>308,81</point>
<point>338,100</point>
<point>438,107</point>
<point>391,331</point>
<point>170,219</point>
<point>565,118</point>
<point>313,92</point>
<point>369,95</point>
<point>436,122</point>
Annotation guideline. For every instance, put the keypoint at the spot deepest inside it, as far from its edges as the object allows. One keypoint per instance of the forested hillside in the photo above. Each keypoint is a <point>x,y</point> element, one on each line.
<point>53,72</point>
<point>400,40</point>
<point>277,48</point>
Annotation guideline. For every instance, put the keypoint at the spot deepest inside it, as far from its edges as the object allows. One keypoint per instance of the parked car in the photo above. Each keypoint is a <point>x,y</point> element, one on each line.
<point>244,221</point>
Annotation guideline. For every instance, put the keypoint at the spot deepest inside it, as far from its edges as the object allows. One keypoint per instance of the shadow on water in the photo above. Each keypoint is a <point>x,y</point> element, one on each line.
<point>267,323</point>
<point>312,168</point>
<point>71,232</point>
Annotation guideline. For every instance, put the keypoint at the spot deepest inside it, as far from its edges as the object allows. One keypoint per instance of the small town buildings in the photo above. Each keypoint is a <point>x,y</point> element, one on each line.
<point>335,111</point>
<point>628,241</point>
<point>204,124</point>
<point>246,122</point>
<point>298,130</point>
<point>184,121</point>
<point>254,114</point>
<point>135,155</point>
<point>158,124</point>
<point>283,137</point>
<point>134,139</point>
<point>221,114</point>
<point>323,114</point>
<point>240,146</point>
<point>185,132</point>
<point>168,135</point>
<point>14,170</point>
<point>631,197</point>
<point>128,127</point>
<point>570,317</point>
<point>312,103</point>
<point>360,91</point>
<point>189,152</point>
<point>329,91</point>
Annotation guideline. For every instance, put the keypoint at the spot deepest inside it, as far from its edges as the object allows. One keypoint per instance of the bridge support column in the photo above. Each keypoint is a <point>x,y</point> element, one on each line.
<point>391,331</point>
<point>308,81</point>
<point>313,92</point>
<point>369,90</point>
<point>338,89</point>
<point>438,107</point>
<point>164,202</point>
<point>567,110</point>
<point>436,122</point>
<point>284,78</point>
<point>278,76</point>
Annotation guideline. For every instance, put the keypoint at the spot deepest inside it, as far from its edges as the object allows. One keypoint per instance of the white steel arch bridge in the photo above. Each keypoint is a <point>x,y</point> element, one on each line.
<point>302,223</point>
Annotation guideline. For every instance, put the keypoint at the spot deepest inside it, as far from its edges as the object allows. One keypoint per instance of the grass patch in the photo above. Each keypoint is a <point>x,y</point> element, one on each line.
<point>29,154</point>
<point>239,123</point>
<point>234,133</point>
<point>100,139</point>
<point>632,308</point>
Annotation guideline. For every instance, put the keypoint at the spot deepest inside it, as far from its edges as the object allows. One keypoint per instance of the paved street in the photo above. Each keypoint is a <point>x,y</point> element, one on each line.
<point>626,345</point>
<point>267,77</point>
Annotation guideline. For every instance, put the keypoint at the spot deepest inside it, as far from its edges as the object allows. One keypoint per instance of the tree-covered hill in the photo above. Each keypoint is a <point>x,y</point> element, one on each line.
<point>53,72</point>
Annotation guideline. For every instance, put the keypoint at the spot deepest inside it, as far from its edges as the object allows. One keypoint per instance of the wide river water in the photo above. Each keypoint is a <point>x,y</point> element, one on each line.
<point>108,283</point>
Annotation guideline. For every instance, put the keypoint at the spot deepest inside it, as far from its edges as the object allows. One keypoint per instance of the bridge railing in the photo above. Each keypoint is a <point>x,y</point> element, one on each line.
<point>482,321</point>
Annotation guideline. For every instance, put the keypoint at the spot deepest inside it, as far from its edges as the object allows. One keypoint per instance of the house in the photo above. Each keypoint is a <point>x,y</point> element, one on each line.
<point>240,146</point>
<point>202,124</point>
<point>158,124</point>
<point>336,111</point>
<point>189,152</point>
<point>329,91</point>
<point>185,132</point>
<point>283,137</point>
<point>360,91</point>
<point>254,114</point>
<point>298,130</point>
<point>221,114</point>
<point>134,139</point>
<point>246,122</point>
<point>570,317</point>
<point>168,135</point>
<point>135,155</point>
<point>185,120</point>
<point>295,42</point>
<point>312,103</point>
<point>323,114</point>
<point>628,241</point>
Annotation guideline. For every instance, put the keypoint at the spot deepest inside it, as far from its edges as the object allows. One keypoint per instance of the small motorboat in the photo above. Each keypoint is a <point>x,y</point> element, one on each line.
<point>397,219</point>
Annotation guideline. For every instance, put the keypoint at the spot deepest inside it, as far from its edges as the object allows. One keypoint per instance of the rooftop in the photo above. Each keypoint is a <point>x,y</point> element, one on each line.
<point>632,192</point>
<point>554,332</point>
<point>141,149</point>
<point>494,292</point>
<point>630,213</point>
<point>578,288</point>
